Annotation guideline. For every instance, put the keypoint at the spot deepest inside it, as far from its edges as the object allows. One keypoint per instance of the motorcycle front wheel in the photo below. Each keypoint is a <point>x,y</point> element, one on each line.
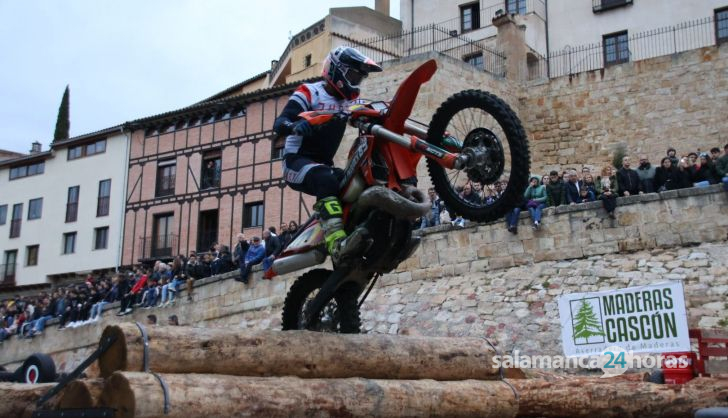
<point>340,315</point>
<point>480,121</point>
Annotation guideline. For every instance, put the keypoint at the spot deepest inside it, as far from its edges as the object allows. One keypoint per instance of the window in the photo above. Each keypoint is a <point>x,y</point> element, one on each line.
<point>279,147</point>
<point>476,60</point>
<point>602,5</point>
<point>101,238</point>
<point>8,269</point>
<point>31,255</point>
<point>166,177</point>
<point>307,61</point>
<point>69,243</point>
<point>211,168</point>
<point>87,150</point>
<point>3,214</point>
<point>162,238</point>
<point>16,220</point>
<point>253,215</point>
<point>102,206</point>
<point>207,229</point>
<point>616,48</point>
<point>721,25</point>
<point>27,170</point>
<point>516,7</point>
<point>470,17</point>
<point>35,208</point>
<point>72,203</point>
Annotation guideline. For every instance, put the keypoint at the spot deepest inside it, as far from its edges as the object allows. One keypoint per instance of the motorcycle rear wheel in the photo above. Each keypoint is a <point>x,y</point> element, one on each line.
<point>495,120</point>
<point>341,314</point>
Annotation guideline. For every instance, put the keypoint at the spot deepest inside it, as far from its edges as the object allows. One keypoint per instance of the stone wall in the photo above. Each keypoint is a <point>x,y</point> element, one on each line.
<point>483,281</point>
<point>677,100</point>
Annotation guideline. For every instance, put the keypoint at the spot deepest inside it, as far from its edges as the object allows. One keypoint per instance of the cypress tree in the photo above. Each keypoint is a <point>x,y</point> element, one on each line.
<point>63,123</point>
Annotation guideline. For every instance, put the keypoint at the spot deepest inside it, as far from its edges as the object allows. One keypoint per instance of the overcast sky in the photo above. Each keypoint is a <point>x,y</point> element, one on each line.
<point>133,58</point>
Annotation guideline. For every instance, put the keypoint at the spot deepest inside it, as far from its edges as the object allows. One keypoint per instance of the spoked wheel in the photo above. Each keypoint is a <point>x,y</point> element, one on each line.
<point>485,128</point>
<point>340,315</point>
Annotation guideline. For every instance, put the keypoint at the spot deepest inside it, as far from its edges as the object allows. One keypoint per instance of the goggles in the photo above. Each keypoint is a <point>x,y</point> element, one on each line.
<point>354,77</point>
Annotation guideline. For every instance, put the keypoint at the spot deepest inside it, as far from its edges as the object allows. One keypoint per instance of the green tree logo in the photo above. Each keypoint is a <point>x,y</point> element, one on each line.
<point>586,323</point>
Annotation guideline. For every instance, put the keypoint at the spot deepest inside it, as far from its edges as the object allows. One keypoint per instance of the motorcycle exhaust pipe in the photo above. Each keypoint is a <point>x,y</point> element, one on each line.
<point>296,262</point>
<point>394,203</point>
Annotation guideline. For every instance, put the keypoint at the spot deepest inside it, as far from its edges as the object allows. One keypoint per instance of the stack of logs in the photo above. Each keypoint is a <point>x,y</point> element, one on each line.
<point>181,372</point>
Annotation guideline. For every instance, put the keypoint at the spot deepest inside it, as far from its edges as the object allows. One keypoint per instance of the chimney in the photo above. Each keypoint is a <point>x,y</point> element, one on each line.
<point>512,41</point>
<point>273,64</point>
<point>382,6</point>
<point>35,147</point>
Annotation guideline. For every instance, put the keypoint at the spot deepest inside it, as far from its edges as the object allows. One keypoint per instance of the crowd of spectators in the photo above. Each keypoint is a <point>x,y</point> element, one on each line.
<point>571,186</point>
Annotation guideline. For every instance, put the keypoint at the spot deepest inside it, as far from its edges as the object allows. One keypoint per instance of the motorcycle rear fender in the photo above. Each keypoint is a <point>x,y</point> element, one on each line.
<point>310,238</point>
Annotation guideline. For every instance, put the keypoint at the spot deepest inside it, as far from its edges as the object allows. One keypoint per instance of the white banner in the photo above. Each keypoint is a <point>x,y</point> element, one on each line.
<point>644,319</point>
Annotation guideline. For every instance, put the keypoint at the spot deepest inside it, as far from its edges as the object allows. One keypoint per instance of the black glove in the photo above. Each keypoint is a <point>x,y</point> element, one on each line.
<point>303,128</point>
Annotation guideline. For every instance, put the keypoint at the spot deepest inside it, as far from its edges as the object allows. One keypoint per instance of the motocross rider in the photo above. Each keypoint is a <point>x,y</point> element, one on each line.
<point>308,165</point>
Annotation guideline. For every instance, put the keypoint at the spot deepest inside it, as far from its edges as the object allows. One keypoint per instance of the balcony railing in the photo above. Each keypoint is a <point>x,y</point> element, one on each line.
<point>15,228</point>
<point>7,275</point>
<point>71,212</point>
<point>157,246</point>
<point>602,5</point>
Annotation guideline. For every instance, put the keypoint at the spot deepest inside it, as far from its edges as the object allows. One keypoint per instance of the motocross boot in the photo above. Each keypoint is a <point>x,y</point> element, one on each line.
<point>329,208</point>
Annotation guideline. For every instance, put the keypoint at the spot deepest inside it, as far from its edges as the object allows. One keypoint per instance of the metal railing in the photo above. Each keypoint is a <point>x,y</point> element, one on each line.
<point>429,38</point>
<point>642,45</point>
<point>7,275</point>
<point>489,12</point>
<point>157,246</point>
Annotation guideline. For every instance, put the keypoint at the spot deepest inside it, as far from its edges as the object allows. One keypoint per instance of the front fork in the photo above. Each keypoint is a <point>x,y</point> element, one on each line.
<point>464,160</point>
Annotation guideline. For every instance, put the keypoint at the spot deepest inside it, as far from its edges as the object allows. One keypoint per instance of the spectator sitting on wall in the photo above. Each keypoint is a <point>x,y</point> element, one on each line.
<point>535,196</point>
<point>685,173</point>
<point>513,216</point>
<point>224,261</point>
<point>672,155</point>
<point>254,256</point>
<point>571,189</point>
<point>646,173</point>
<point>705,174</point>
<point>554,189</point>
<point>433,216</point>
<point>722,166</point>
<point>129,294</point>
<point>241,248</point>
<point>627,179</point>
<point>272,249</point>
<point>590,186</point>
<point>607,190</point>
<point>191,271</point>
<point>666,176</point>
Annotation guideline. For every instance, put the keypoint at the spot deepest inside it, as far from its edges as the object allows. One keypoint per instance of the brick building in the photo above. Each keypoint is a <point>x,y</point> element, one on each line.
<point>201,174</point>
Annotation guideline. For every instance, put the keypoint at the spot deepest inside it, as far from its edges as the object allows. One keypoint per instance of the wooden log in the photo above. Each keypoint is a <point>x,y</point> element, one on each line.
<point>139,395</point>
<point>609,397</point>
<point>81,394</point>
<point>298,353</point>
<point>16,398</point>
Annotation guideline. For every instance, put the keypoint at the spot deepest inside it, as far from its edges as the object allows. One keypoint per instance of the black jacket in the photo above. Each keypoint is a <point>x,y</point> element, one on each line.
<point>628,181</point>
<point>272,246</point>
<point>667,177</point>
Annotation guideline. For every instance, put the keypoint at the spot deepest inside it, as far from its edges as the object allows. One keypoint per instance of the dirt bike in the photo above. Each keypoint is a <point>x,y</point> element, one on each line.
<point>473,134</point>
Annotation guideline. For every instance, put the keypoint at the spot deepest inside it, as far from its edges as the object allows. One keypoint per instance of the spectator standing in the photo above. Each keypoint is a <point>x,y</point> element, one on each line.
<point>284,237</point>
<point>535,196</point>
<point>685,174</point>
<point>470,195</point>
<point>628,180</point>
<point>555,190</point>
<point>672,155</point>
<point>646,173</point>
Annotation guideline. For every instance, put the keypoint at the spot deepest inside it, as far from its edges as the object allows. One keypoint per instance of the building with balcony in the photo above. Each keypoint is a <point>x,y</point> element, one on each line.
<point>61,210</point>
<point>201,174</point>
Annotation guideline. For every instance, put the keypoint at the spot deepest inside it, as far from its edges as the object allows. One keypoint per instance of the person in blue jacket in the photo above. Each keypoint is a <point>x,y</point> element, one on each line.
<point>254,256</point>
